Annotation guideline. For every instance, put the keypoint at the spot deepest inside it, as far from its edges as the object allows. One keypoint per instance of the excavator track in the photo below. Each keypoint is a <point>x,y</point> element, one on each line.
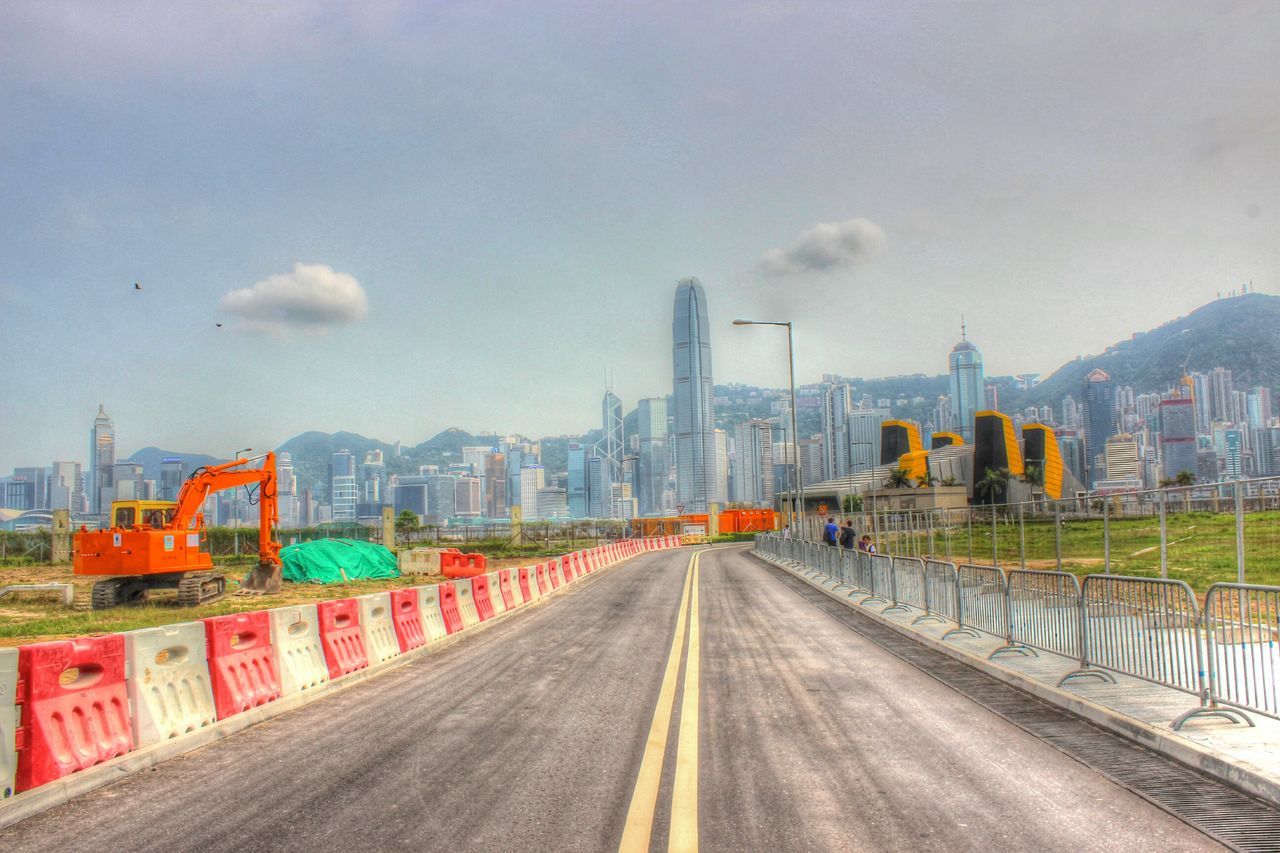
<point>199,588</point>
<point>115,592</point>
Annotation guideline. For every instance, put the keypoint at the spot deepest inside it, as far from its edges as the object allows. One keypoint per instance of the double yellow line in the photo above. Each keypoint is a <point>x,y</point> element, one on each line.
<point>636,834</point>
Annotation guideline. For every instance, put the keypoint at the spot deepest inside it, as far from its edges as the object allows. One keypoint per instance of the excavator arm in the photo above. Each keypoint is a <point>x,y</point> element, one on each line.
<point>265,577</point>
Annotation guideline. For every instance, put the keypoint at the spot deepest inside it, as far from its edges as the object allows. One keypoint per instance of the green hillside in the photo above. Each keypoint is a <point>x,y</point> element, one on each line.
<point>1241,333</point>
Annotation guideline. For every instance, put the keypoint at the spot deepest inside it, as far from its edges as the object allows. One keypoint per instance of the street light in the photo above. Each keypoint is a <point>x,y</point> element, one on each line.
<point>797,514</point>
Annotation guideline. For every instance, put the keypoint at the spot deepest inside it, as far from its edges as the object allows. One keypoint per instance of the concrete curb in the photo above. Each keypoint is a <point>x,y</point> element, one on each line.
<point>30,803</point>
<point>1239,775</point>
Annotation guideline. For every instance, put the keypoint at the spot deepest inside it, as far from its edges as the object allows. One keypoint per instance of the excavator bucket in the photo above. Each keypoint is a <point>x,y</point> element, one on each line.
<point>263,580</point>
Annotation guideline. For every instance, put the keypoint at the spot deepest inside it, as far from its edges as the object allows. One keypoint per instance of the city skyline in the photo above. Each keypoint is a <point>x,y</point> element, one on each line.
<point>496,179</point>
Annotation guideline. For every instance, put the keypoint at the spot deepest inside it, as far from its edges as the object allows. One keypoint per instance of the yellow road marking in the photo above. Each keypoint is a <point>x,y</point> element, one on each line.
<point>644,799</point>
<point>684,796</point>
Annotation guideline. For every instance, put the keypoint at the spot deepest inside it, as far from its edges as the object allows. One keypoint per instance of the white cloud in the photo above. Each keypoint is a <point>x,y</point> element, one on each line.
<point>313,298</point>
<point>825,246</point>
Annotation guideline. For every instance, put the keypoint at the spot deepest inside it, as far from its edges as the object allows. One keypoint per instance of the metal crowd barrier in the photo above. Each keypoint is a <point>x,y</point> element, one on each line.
<point>1241,630</point>
<point>1151,629</point>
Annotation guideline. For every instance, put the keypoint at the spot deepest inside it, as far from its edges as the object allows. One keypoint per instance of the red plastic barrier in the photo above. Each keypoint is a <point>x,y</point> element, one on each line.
<point>540,576</point>
<point>504,588</point>
<point>341,637</point>
<point>449,608</point>
<point>553,574</point>
<point>525,589</point>
<point>567,568</point>
<point>407,619</point>
<point>480,594</point>
<point>242,663</point>
<point>457,565</point>
<point>73,705</point>
<point>584,560</point>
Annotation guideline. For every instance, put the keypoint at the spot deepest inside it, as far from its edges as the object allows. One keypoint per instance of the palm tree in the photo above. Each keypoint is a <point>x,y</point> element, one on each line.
<point>1185,478</point>
<point>899,478</point>
<point>993,484</point>
<point>926,479</point>
<point>948,481</point>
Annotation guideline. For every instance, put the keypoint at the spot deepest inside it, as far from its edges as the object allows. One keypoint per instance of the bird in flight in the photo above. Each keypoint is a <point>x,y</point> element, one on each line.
<point>137,286</point>
<point>219,325</point>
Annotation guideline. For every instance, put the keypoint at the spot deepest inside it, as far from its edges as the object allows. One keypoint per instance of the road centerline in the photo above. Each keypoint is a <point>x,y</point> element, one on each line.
<point>684,797</point>
<point>638,828</point>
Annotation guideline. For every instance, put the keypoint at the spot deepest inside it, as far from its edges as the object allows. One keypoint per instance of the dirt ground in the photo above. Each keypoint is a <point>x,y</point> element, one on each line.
<point>28,617</point>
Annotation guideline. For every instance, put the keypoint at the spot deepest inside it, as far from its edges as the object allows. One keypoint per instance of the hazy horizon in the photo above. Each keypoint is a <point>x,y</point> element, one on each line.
<point>412,217</point>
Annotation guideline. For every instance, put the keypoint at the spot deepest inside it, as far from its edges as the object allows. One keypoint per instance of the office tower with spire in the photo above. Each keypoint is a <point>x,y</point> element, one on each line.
<point>968,385</point>
<point>695,416</point>
<point>102,460</point>
<point>610,446</point>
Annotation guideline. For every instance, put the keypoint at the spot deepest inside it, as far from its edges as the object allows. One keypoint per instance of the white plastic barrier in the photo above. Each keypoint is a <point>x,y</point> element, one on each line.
<point>295,637</point>
<point>495,593</point>
<point>429,609</point>
<point>466,604</point>
<point>167,681</point>
<point>8,720</point>
<point>377,627</point>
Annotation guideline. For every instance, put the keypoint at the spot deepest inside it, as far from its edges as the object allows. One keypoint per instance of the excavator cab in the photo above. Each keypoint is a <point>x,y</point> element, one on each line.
<point>154,514</point>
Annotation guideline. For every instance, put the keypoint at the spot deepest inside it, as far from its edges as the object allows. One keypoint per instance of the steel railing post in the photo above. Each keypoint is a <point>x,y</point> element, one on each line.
<point>1106,536</point>
<point>1164,535</point>
<point>1239,532</point>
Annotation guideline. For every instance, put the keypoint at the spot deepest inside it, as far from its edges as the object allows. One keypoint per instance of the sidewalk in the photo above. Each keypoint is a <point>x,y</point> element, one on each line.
<point>1245,757</point>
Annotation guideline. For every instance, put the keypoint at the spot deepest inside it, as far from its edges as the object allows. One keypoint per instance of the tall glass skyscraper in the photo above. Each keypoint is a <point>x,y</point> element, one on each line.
<point>102,460</point>
<point>611,444</point>
<point>695,415</point>
<point>968,391</point>
<point>1099,422</point>
<point>654,462</point>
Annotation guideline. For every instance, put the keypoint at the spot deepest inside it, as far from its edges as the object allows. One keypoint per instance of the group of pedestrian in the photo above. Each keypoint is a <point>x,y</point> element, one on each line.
<point>846,537</point>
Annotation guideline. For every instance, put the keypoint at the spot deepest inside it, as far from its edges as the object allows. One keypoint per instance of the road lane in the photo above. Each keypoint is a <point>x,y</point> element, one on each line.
<point>814,738</point>
<point>535,734</point>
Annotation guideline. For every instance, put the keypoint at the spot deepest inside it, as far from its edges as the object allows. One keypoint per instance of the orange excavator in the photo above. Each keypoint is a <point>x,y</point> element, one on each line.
<point>157,544</point>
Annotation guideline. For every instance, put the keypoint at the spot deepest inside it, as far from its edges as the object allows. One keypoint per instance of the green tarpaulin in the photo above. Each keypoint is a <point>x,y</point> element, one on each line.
<point>336,561</point>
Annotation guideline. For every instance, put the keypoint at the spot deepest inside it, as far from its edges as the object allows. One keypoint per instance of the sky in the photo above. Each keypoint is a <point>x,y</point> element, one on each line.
<point>413,216</point>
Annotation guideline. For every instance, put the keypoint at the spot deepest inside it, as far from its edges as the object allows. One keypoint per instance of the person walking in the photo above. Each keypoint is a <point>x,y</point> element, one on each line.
<point>831,533</point>
<point>848,538</point>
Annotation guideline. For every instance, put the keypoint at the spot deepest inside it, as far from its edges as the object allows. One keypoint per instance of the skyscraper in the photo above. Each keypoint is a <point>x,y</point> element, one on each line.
<point>343,491</point>
<point>836,404</point>
<point>655,458</point>
<point>611,443</point>
<point>102,458</point>
<point>576,492</point>
<point>968,385</point>
<point>1099,422</point>
<point>694,398</point>
<point>1178,436</point>
<point>753,458</point>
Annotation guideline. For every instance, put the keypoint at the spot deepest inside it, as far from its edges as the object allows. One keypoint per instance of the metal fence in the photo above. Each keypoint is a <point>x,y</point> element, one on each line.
<point>1225,654</point>
<point>1221,531</point>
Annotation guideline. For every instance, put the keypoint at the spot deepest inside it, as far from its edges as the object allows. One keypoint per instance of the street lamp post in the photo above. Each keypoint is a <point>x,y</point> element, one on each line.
<point>797,512</point>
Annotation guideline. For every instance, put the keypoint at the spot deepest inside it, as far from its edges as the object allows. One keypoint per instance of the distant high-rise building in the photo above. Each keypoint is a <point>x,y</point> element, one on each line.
<point>532,478</point>
<point>654,464</point>
<point>467,500</point>
<point>721,495</point>
<point>172,476</point>
<point>495,485</point>
<point>1233,454</point>
<point>1122,458</point>
<point>622,504</point>
<point>66,487</point>
<point>1220,394</point>
<point>597,490</point>
<point>753,463</point>
<point>552,503</point>
<point>1258,407</point>
<point>102,456</point>
<point>694,397</point>
<point>412,494</point>
<point>1177,436</point>
<point>1099,422</point>
<point>836,405</point>
<point>611,442</point>
<point>344,492</point>
<point>811,456</point>
<point>442,496</point>
<point>39,480</point>
<point>968,386</point>
<point>864,438</point>
<point>576,490</point>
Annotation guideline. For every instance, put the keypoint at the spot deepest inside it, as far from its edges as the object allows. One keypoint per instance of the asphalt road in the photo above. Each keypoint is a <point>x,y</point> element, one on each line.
<point>784,731</point>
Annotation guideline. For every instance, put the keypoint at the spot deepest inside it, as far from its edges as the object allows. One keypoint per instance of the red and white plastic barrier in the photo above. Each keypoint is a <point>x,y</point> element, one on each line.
<point>295,638</point>
<point>433,626</point>
<point>406,615</point>
<point>167,681</point>
<point>449,607</point>
<point>8,720</point>
<point>65,680</point>
<point>507,594</point>
<point>242,664</point>
<point>341,637</point>
<point>377,627</point>
<point>481,597</point>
